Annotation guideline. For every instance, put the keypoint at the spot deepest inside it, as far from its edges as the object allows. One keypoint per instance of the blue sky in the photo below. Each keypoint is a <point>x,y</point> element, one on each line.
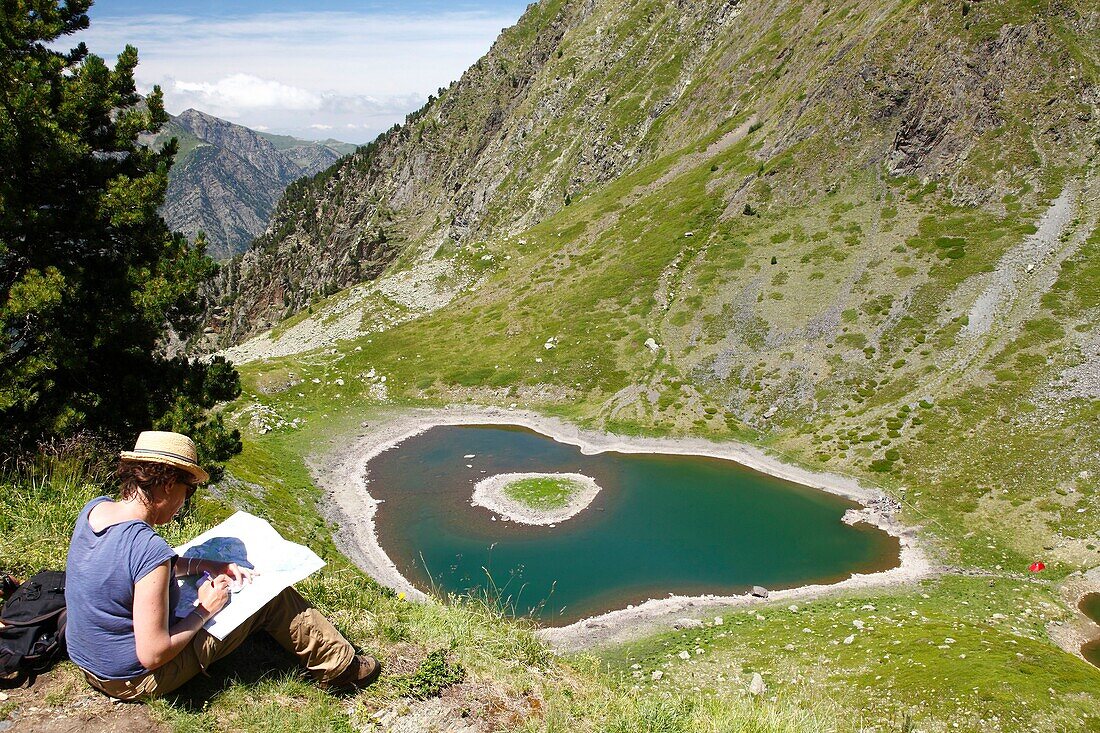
<point>346,70</point>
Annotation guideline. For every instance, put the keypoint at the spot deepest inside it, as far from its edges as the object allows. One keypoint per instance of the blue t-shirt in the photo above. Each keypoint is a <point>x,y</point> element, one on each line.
<point>100,575</point>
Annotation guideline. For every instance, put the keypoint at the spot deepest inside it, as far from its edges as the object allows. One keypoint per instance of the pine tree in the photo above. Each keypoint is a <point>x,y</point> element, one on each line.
<point>91,278</point>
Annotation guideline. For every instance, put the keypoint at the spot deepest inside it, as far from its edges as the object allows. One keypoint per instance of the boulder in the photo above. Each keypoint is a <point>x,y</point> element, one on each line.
<point>760,591</point>
<point>853,516</point>
<point>652,345</point>
<point>687,623</point>
<point>757,686</point>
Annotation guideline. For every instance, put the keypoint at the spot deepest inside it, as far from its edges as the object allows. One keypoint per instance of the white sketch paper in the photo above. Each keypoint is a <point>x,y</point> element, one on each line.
<point>252,543</point>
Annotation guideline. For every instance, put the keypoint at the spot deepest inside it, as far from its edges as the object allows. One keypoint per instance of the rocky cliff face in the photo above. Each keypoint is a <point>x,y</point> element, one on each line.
<point>227,179</point>
<point>582,93</point>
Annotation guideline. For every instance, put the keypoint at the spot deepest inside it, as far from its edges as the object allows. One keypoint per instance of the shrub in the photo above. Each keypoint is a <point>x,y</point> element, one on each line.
<point>430,678</point>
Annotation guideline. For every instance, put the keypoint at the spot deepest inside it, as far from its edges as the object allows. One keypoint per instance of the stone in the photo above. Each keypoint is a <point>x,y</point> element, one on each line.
<point>858,624</point>
<point>652,345</point>
<point>687,623</point>
<point>657,674</point>
<point>849,639</point>
<point>718,621</point>
<point>685,655</point>
<point>757,686</point>
<point>853,516</point>
<point>760,591</point>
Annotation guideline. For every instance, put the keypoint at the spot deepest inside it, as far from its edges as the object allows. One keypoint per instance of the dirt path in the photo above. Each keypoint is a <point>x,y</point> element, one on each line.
<point>411,293</point>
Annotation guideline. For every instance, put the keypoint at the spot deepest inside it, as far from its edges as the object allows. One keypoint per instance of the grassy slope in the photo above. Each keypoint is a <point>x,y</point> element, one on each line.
<point>508,676</point>
<point>992,466</point>
<point>935,687</point>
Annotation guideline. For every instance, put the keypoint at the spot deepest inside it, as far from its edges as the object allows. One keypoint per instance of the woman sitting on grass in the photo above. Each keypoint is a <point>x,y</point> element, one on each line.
<point>120,594</point>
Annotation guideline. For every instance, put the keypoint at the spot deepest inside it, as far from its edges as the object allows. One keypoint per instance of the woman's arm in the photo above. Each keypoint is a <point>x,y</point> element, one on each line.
<point>156,642</point>
<point>197,565</point>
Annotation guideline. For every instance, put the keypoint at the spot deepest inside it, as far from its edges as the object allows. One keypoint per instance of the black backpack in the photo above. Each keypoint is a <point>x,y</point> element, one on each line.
<point>32,637</point>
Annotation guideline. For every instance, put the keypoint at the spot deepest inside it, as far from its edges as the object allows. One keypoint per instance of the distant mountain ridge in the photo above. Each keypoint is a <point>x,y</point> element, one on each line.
<point>228,178</point>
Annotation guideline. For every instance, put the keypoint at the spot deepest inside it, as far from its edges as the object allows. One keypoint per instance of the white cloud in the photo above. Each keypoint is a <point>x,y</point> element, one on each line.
<point>320,127</point>
<point>243,91</point>
<point>289,71</point>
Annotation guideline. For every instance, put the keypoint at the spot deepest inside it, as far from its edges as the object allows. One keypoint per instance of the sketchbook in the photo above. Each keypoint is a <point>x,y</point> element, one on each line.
<point>252,543</point>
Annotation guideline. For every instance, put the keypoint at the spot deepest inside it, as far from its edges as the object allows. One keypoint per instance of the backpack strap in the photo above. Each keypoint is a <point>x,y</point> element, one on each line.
<point>36,620</point>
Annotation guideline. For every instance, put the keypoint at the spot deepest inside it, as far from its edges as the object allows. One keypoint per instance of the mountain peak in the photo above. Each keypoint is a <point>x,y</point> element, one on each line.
<point>227,178</point>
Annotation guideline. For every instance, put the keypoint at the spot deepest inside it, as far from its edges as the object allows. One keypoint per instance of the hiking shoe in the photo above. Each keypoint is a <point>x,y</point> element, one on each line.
<point>362,671</point>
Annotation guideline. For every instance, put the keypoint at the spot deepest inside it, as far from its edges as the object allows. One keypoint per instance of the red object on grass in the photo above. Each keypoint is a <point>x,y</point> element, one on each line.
<point>1036,567</point>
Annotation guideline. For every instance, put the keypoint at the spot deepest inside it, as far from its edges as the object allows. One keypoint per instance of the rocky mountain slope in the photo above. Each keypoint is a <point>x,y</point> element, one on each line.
<point>861,235</point>
<point>577,94</point>
<point>844,230</point>
<point>227,178</point>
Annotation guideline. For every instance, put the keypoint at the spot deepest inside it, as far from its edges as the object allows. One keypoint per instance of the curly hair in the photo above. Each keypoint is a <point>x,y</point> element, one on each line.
<point>146,477</point>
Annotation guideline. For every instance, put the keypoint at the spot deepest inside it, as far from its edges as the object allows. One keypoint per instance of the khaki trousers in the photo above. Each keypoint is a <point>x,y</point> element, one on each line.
<point>297,626</point>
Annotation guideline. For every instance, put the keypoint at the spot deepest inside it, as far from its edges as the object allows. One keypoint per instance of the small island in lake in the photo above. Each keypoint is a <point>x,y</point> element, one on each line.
<point>536,498</point>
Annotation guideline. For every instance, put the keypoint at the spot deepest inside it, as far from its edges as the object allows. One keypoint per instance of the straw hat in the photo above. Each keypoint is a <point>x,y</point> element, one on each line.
<point>171,448</point>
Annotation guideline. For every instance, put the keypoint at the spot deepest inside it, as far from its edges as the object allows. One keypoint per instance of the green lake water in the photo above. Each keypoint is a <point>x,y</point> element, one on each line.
<point>1091,651</point>
<point>662,524</point>
<point>1090,606</point>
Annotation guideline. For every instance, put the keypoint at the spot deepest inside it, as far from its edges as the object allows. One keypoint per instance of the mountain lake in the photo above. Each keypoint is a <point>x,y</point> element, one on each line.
<point>1090,606</point>
<point>662,524</point>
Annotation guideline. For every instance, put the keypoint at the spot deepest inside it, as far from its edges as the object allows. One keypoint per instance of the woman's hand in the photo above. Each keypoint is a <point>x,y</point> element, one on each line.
<point>214,595</point>
<point>239,576</point>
